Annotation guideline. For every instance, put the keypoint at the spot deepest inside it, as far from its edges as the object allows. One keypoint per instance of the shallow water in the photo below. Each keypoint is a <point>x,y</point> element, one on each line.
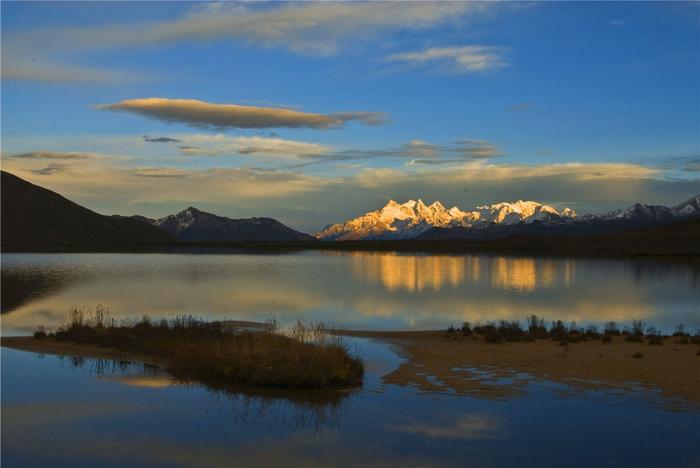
<point>366,290</point>
<point>81,412</point>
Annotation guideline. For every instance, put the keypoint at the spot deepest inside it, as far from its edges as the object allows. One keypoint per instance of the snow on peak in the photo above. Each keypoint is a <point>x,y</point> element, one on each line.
<point>409,219</point>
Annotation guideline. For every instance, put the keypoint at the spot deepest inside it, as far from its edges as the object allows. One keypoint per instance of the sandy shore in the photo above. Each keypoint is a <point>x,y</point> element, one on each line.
<point>450,363</point>
<point>441,362</point>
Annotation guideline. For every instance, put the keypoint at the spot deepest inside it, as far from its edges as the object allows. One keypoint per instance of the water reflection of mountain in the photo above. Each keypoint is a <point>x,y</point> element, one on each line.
<point>351,289</point>
<point>20,287</point>
<point>308,410</point>
<point>417,273</point>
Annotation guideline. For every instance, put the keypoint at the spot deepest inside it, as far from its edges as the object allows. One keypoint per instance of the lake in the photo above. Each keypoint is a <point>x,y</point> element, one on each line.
<point>63,411</point>
<point>354,290</point>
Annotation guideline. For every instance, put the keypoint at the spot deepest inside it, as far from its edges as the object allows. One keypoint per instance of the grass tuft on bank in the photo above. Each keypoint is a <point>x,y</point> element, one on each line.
<point>535,328</point>
<point>221,353</point>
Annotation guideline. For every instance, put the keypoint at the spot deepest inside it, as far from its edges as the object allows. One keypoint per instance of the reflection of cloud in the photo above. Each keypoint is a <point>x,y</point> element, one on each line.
<point>145,381</point>
<point>470,427</point>
<point>206,114</point>
<point>458,59</point>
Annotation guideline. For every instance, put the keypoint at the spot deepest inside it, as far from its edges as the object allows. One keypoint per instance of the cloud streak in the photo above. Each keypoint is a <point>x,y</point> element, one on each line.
<point>148,139</point>
<point>209,115</point>
<point>458,59</point>
<point>53,155</point>
<point>48,71</point>
<point>418,151</point>
<point>49,170</point>
<point>222,145</point>
<point>313,28</point>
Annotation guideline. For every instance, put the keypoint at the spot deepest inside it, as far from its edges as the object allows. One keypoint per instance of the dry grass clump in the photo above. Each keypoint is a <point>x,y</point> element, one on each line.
<point>536,329</point>
<point>217,353</point>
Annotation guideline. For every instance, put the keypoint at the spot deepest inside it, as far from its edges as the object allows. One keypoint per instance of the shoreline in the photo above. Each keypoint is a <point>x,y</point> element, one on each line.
<point>438,362</point>
<point>451,363</point>
<point>671,241</point>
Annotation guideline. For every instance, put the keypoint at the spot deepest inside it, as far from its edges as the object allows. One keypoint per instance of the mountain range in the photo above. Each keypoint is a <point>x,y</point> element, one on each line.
<point>416,220</point>
<point>37,217</point>
<point>33,216</point>
<point>193,225</point>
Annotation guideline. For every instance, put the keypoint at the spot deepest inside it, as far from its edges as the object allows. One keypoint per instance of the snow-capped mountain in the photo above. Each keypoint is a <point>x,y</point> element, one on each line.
<point>411,219</point>
<point>650,213</point>
<point>689,208</point>
<point>195,225</point>
<point>637,216</point>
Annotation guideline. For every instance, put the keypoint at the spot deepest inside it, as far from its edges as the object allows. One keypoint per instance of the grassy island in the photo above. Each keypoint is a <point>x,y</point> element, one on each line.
<point>221,352</point>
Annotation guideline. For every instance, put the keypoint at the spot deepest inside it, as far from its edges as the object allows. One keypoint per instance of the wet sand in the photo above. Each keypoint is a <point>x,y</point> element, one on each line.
<point>451,363</point>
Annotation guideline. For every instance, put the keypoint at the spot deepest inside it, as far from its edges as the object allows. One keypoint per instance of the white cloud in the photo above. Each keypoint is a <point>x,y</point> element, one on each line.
<point>217,145</point>
<point>315,28</point>
<point>205,114</point>
<point>458,59</point>
<point>56,72</point>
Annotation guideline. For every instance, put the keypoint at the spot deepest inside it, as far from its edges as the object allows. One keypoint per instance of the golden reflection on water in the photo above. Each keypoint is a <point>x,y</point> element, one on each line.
<point>408,272</point>
<point>415,273</point>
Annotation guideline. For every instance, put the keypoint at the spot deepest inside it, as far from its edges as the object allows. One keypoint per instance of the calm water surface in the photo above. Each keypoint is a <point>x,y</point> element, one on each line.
<point>72,412</point>
<point>62,411</point>
<point>352,290</point>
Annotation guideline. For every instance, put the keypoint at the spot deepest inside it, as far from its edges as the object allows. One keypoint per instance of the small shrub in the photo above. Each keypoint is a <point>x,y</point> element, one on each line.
<point>40,333</point>
<point>512,331</point>
<point>611,329</point>
<point>638,328</point>
<point>638,356</point>
<point>451,329</point>
<point>680,330</point>
<point>592,332</point>
<point>536,327</point>
<point>466,329</point>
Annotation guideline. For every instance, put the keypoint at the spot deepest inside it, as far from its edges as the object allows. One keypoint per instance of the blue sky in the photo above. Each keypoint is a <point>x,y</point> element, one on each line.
<point>588,105</point>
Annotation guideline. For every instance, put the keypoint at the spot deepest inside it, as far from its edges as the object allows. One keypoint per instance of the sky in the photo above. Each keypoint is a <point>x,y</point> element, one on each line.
<point>313,113</point>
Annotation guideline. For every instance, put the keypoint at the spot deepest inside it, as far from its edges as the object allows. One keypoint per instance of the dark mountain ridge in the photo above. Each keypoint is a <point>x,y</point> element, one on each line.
<point>35,216</point>
<point>193,225</point>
